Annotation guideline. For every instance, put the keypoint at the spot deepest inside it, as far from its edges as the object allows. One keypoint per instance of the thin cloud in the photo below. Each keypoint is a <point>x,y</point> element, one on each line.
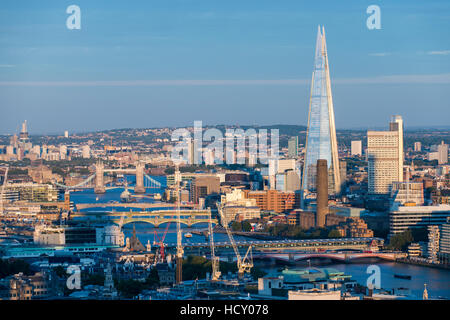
<point>442,52</point>
<point>7,66</point>
<point>392,79</point>
<point>380,54</point>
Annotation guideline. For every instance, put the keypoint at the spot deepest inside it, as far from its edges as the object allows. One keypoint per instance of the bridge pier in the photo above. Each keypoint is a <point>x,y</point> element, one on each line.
<point>139,188</point>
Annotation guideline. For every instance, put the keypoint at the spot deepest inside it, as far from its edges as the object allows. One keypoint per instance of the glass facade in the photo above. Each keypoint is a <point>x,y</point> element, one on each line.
<point>321,137</point>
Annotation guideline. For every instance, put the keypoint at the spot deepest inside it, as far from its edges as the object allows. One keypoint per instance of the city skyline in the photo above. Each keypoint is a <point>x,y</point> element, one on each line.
<point>208,61</point>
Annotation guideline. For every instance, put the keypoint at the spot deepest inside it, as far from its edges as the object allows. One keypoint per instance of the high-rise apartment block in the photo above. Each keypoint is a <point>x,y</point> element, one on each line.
<point>441,153</point>
<point>293,147</point>
<point>433,243</point>
<point>417,146</point>
<point>385,155</point>
<point>356,149</point>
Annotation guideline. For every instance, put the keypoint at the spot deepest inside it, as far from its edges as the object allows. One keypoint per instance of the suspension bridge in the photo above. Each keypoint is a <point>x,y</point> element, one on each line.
<point>97,180</point>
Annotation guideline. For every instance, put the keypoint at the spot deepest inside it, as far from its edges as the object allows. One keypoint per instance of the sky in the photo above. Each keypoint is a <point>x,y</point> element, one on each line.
<point>140,64</point>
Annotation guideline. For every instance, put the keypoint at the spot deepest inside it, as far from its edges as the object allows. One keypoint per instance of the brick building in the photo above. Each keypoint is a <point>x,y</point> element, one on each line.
<point>274,200</point>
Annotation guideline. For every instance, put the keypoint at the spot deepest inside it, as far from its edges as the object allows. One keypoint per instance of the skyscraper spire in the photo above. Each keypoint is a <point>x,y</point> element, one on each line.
<point>321,142</point>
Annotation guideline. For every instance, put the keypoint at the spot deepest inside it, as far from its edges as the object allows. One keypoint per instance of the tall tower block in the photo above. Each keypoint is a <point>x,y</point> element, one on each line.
<point>322,192</point>
<point>321,142</point>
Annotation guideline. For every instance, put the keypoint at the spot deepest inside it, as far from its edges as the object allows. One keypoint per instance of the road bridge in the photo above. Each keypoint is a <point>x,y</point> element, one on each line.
<point>156,218</point>
<point>139,205</point>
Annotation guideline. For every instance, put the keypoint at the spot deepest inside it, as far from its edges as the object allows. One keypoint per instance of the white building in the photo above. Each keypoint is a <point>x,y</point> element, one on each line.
<point>266,284</point>
<point>402,218</point>
<point>314,294</point>
<point>385,156</point>
<point>62,152</point>
<point>356,149</point>
<point>417,146</point>
<point>86,151</point>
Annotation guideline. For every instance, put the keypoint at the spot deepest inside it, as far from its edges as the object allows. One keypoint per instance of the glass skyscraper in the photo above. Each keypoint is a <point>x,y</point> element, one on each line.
<point>321,136</point>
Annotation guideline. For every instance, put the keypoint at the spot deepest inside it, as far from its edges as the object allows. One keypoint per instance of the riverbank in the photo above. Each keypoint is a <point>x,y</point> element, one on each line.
<point>423,264</point>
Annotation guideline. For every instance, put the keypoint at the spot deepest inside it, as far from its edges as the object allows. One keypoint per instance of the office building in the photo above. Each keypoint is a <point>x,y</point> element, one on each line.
<point>433,243</point>
<point>321,142</point>
<point>203,186</point>
<point>356,149</point>
<point>274,200</point>
<point>440,153</point>
<point>444,246</point>
<point>86,151</point>
<point>23,136</point>
<point>385,156</point>
<point>407,192</point>
<point>417,146</point>
<point>402,218</point>
<point>293,147</point>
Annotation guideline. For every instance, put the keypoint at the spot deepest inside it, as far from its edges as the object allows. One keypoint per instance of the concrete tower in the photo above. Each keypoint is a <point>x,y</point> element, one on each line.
<point>321,140</point>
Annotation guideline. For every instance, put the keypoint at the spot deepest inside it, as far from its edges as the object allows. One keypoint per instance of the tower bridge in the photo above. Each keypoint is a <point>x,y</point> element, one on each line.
<point>98,182</point>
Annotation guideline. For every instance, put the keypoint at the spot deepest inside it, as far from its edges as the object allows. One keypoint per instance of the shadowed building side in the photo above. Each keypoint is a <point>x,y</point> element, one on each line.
<point>322,192</point>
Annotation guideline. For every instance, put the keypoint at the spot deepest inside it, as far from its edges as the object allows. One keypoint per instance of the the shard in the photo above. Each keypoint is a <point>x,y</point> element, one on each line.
<point>321,135</point>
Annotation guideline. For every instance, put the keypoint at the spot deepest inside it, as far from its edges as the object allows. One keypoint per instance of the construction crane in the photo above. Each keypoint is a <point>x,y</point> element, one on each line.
<point>161,242</point>
<point>3,189</point>
<point>180,251</point>
<point>244,264</point>
<point>214,260</point>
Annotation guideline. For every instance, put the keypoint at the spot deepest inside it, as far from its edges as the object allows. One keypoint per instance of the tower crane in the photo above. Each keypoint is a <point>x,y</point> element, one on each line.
<point>214,260</point>
<point>244,264</point>
<point>3,189</point>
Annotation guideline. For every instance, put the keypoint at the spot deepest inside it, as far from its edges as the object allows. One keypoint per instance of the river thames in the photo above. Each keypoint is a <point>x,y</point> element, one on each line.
<point>437,280</point>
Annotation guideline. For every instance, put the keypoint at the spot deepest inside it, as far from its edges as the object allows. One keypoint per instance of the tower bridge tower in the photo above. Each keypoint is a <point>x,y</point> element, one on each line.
<point>139,188</point>
<point>99,181</point>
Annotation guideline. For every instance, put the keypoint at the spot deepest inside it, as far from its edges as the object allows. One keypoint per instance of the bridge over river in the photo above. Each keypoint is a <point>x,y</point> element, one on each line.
<point>156,217</point>
<point>139,205</point>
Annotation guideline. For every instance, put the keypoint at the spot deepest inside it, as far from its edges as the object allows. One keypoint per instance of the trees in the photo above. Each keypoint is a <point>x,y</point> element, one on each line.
<point>334,234</point>
<point>152,279</point>
<point>246,226</point>
<point>13,266</point>
<point>401,241</point>
<point>236,226</point>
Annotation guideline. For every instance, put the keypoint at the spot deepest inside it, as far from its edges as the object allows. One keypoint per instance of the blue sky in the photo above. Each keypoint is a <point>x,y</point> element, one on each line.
<point>170,62</point>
